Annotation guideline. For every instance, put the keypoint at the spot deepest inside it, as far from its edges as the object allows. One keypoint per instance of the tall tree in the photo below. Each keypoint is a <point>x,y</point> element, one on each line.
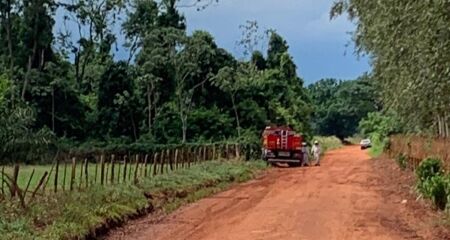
<point>277,47</point>
<point>409,45</point>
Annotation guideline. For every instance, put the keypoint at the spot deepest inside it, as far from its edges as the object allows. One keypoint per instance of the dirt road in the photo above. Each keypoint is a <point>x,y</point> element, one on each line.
<point>349,197</point>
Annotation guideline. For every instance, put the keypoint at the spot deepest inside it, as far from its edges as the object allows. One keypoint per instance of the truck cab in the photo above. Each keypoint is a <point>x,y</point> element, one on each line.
<point>282,145</point>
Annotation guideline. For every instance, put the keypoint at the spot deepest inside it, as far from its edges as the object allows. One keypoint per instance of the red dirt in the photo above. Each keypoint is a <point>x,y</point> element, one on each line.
<point>349,197</point>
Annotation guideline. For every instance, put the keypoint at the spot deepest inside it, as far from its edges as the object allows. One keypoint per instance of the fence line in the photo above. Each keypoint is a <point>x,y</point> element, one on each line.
<point>105,170</point>
<point>417,148</point>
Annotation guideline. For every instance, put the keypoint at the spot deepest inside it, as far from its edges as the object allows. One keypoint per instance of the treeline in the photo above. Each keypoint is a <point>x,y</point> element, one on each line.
<point>66,86</point>
<point>340,106</point>
<point>409,46</point>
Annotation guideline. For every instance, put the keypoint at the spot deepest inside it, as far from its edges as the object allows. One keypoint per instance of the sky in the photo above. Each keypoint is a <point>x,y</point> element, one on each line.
<point>321,48</point>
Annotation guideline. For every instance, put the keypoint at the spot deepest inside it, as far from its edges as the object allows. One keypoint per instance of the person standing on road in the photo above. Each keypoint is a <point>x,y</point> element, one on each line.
<point>305,151</point>
<point>316,152</point>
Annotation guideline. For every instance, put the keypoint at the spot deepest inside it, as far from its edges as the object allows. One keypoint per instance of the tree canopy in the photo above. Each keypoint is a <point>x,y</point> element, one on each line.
<point>409,43</point>
<point>341,105</point>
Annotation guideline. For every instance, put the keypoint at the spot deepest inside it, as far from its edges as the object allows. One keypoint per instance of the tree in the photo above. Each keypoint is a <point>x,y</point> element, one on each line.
<point>116,103</point>
<point>258,60</point>
<point>340,105</point>
<point>232,81</point>
<point>277,47</point>
<point>188,75</point>
<point>409,45</point>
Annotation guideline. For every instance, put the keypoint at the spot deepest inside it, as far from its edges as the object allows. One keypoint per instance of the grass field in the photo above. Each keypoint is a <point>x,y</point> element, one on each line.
<point>65,171</point>
<point>73,215</point>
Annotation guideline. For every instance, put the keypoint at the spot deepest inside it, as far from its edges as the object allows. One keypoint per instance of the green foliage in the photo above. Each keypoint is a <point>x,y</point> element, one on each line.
<point>409,45</point>
<point>175,87</point>
<point>277,47</point>
<point>437,188</point>
<point>381,124</point>
<point>328,143</point>
<point>427,169</point>
<point>17,141</point>
<point>116,103</point>
<point>340,105</point>
<point>378,127</point>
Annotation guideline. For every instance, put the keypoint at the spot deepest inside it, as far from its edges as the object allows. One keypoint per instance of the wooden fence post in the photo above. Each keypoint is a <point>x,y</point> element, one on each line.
<point>106,170</point>
<point>14,186</point>
<point>28,184</point>
<point>183,156</point>
<point>136,168</point>
<point>48,177</point>
<point>194,155</point>
<point>112,168</point>
<point>118,172</point>
<point>130,169</point>
<point>56,176</point>
<point>175,158</point>
<point>189,155</point>
<point>41,182</point>
<point>3,180</point>
<point>72,176</point>
<point>81,175</point>
<point>86,172</point>
<point>155,164</point>
<point>205,156</point>
<point>64,177</point>
<point>162,161</point>
<point>145,165</point>
<point>227,152</point>
<point>102,170</point>
<point>171,158</point>
<point>96,170</point>
<point>125,169</point>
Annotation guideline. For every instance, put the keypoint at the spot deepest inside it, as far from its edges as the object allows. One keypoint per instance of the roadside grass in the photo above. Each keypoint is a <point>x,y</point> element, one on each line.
<point>328,143</point>
<point>75,215</point>
<point>377,148</point>
<point>355,140</point>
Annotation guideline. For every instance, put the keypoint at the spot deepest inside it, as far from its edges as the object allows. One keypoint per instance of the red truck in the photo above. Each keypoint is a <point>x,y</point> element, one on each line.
<point>282,145</point>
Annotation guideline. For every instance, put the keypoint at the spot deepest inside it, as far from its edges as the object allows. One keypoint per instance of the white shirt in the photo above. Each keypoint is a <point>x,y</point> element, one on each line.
<point>316,150</point>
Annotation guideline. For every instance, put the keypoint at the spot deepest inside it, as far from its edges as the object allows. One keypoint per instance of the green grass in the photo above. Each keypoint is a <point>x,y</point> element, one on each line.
<point>25,173</point>
<point>68,215</point>
<point>355,140</point>
<point>328,143</point>
<point>377,148</point>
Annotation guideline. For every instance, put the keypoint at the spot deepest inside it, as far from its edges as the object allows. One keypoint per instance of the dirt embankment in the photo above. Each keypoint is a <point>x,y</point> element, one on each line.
<point>349,197</point>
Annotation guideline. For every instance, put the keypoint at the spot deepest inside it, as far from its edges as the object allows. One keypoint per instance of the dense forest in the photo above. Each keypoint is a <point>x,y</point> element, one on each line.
<point>66,85</point>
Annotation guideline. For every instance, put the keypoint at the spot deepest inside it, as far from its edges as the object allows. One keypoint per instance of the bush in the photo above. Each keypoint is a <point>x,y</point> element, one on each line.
<point>437,189</point>
<point>430,180</point>
<point>402,161</point>
<point>429,168</point>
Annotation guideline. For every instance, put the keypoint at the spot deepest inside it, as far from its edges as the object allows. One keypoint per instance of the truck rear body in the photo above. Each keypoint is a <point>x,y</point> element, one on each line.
<point>283,145</point>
